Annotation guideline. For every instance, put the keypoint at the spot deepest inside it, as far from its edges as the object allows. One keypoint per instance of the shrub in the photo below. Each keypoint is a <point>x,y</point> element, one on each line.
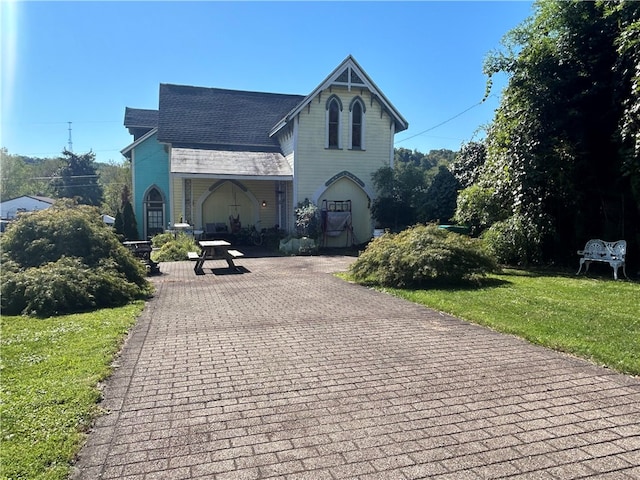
<point>172,248</point>
<point>514,241</point>
<point>65,259</point>
<point>422,255</point>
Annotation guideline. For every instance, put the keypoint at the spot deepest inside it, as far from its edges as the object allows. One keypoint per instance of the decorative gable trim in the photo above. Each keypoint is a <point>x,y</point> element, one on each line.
<point>350,74</point>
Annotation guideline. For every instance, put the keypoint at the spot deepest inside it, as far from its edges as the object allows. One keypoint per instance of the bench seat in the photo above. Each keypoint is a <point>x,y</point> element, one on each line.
<point>235,253</point>
<point>193,255</point>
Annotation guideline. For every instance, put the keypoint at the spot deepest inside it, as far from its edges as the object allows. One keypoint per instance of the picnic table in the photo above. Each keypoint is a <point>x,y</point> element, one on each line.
<point>141,249</point>
<point>214,250</point>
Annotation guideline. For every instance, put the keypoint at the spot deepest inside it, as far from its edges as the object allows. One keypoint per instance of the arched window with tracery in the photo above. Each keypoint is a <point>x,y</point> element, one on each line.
<point>334,109</point>
<point>356,124</point>
<point>154,212</point>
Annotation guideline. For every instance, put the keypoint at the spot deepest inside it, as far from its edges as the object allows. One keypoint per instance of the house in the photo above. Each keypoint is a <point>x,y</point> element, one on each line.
<point>9,209</point>
<point>212,156</point>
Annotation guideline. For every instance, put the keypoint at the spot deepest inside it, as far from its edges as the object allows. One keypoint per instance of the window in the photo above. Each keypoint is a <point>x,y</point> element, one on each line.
<point>334,107</point>
<point>154,212</point>
<point>356,120</point>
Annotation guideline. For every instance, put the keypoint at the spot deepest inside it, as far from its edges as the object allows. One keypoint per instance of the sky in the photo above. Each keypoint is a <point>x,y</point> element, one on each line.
<point>85,61</point>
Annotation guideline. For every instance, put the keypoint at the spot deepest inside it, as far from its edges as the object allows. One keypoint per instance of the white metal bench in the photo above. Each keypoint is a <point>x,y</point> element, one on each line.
<point>612,253</point>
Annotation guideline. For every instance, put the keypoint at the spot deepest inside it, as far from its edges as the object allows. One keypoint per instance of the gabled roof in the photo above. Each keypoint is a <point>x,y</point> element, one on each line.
<point>140,118</point>
<point>219,118</point>
<point>350,74</point>
<point>33,197</point>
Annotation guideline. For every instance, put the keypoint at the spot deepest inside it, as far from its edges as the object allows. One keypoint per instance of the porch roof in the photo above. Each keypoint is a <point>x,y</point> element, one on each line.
<point>230,164</point>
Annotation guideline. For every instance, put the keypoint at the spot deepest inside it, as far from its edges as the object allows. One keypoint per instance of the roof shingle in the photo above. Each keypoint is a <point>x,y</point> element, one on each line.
<point>213,117</point>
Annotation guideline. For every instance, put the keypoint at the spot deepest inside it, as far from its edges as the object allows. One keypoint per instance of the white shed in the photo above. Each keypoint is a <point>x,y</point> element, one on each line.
<point>27,203</point>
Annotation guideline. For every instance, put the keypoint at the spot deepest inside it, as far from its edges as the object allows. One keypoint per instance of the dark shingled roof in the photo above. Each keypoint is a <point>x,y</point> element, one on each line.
<point>138,117</point>
<point>213,117</point>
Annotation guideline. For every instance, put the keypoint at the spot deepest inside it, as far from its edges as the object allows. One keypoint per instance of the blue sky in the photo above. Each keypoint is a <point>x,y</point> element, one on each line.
<point>84,62</point>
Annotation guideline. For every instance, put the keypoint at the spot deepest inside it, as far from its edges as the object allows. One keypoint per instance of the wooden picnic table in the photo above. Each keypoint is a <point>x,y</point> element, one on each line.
<point>214,250</point>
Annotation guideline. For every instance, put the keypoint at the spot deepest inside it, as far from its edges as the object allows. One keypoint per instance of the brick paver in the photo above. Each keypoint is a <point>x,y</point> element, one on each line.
<point>289,372</point>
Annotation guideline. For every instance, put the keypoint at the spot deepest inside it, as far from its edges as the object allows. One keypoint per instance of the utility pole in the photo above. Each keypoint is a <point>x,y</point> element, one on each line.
<point>70,148</point>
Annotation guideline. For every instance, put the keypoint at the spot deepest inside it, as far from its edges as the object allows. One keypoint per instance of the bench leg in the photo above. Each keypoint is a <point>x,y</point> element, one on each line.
<point>583,262</point>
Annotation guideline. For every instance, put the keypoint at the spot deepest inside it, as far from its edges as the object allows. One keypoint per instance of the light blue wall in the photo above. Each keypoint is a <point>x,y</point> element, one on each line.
<point>150,167</point>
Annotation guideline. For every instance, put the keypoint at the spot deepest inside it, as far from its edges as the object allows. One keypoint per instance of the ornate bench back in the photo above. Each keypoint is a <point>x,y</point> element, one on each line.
<point>617,249</point>
<point>604,250</point>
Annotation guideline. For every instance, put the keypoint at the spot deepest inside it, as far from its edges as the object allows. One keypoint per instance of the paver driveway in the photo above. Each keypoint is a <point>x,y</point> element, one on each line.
<point>289,372</point>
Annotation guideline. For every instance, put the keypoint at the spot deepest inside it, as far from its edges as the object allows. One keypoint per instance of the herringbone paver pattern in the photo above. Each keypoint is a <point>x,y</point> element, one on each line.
<point>289,372</point>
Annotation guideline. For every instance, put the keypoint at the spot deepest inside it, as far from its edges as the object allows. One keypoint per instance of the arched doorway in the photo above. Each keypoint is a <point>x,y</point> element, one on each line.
<point>225,199</point>
<point>345,188</point>
<point>154,212</point>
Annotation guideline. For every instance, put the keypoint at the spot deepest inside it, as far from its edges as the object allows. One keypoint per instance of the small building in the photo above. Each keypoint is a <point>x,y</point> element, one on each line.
<point>212,157</point>
<point>9,209</point>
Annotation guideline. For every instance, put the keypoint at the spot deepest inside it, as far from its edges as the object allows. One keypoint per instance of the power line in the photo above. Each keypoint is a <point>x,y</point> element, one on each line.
<point>442,123</point>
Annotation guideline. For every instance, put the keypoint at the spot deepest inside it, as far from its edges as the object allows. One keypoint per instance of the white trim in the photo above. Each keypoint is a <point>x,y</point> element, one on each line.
<point>392,152</point>
<point>201,176</point>
<point>350,63</point>
<point>133,145</point>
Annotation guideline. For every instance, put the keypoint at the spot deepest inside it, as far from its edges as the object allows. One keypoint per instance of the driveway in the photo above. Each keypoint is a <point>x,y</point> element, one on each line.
<point>286,371</point>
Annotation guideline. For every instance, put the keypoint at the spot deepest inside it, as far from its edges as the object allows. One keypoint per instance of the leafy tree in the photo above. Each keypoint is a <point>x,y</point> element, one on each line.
<point>78,179</point>
<point>400,190</point>
<point>558,153</point>
<point>440,199</point>
<point>113,177</point>
<point>20,175</point>
<point>468,163</point>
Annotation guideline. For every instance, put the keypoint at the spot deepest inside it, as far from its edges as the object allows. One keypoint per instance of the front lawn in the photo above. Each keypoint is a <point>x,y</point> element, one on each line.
<point>594,318</point>
<point>48,392</point>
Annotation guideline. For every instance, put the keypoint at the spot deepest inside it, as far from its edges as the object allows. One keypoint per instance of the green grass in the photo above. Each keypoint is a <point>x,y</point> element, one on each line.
<point>50,369</point>
<point>593,318</point>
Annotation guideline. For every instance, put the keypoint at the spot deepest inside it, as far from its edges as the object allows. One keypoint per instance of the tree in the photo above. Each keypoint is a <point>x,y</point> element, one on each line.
<point>440,199</point>
<point>20,175</point>
<point>400,191</point>
<point>469,162</point>
<point>113,177</point>
<point>127,219</point>
<point>78,179</point>
<point>557,152</point>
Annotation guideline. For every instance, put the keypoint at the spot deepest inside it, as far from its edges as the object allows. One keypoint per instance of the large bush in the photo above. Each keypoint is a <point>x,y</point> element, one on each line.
<point>173,247</point>
<point>514,241</point>
<point>422,255</point>
<point>65,259</point>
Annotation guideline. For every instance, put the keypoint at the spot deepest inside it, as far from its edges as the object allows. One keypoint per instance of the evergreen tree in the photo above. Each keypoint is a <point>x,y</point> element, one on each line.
<point>78,179</point>
<point>129,224</point>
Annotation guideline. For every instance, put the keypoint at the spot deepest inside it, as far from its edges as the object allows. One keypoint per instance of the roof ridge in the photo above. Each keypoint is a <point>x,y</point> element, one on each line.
<point>231,90</point>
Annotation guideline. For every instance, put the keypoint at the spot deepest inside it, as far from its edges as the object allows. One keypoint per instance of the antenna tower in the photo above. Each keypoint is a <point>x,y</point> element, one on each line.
<point>70,142</point>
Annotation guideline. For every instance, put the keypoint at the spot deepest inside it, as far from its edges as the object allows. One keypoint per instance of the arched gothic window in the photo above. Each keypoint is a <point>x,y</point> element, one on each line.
<point>334,109</point>
<point>356,124</point>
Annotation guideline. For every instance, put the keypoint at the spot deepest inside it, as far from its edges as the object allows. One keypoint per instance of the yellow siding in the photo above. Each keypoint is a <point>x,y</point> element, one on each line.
<point>345,189</point>
<point>215,206</point>
<point>315,164</point>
